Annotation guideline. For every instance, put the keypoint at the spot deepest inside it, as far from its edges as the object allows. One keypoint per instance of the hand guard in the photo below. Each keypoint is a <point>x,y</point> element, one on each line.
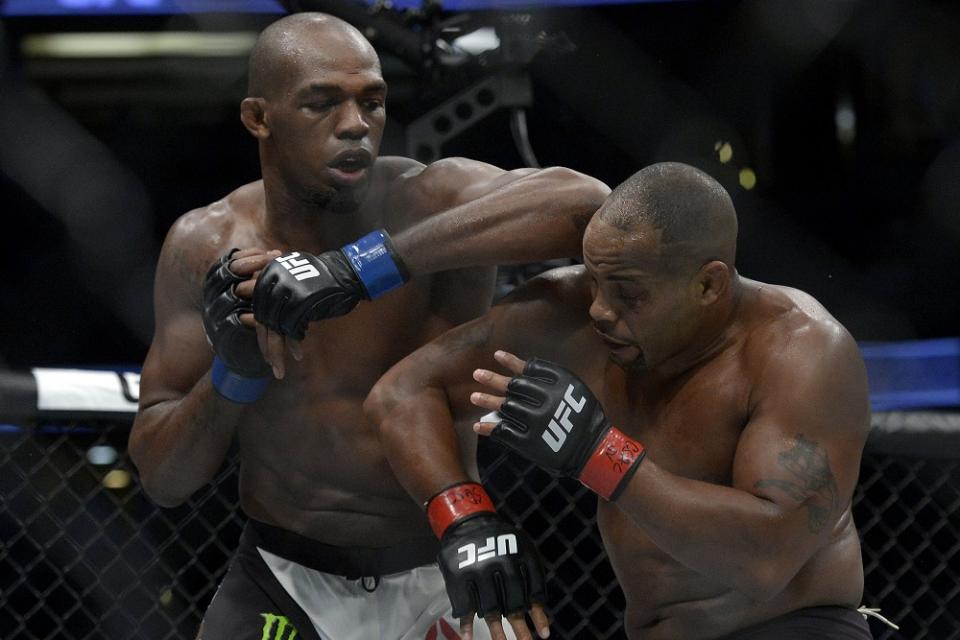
<point>298,287</point>
<point>488,565</point>
<point>239,373</point>
<point>551,417</point>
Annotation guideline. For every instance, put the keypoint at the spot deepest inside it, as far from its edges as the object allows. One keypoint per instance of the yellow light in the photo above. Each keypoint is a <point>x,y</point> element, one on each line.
<point>166,597</point>
<point>724,151</point>
<point>748,179</point>
<point>116,479</point>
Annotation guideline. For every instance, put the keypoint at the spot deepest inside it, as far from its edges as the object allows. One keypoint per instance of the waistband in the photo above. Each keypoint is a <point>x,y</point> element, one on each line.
<point>349,562</point>
<point>830,621</point>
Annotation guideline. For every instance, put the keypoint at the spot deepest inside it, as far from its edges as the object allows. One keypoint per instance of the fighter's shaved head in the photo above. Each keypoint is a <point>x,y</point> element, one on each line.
<point>286,40</point>
<point>692,211</point>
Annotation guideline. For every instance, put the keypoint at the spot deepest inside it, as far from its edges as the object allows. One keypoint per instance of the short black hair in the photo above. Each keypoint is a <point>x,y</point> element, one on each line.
<point>693,212</point>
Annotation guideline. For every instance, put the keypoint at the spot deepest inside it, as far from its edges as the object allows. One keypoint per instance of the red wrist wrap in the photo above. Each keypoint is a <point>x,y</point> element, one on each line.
<point>611,464</point>
<point>455,503</point>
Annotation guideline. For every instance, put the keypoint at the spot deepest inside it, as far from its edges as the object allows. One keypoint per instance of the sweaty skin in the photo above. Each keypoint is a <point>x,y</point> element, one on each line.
<point>753,419</point>
<point>311,462</point>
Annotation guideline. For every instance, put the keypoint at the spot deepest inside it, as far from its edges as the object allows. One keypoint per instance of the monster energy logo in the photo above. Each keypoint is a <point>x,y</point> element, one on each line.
<point>274,627</point>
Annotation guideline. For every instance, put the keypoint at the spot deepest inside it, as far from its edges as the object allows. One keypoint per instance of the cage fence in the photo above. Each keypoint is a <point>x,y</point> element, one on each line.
<point>86,555</point>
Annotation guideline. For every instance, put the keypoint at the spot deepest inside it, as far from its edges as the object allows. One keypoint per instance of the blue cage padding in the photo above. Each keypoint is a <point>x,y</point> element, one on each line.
<point>913,375</point>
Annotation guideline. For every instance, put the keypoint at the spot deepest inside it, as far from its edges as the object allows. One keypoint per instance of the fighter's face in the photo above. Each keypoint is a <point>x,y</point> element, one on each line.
<point>328,123</point>
<point>642,311</point>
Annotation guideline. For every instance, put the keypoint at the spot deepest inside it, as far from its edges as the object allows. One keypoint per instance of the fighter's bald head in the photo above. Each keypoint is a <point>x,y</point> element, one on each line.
<point>291,39</point>
<point>693,213</point>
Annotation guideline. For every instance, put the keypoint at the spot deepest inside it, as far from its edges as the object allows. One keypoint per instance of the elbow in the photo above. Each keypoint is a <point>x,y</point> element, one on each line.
<point>159,492</point>
<point>586,192</point>
<point>377,407</point>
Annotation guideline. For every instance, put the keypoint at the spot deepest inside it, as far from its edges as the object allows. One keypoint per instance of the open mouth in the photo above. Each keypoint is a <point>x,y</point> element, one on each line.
<point>352,161</point>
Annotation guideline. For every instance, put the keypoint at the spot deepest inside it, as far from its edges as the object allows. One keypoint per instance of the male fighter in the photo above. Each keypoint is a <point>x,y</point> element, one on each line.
<point>334,548</point>
<point>720,420</point>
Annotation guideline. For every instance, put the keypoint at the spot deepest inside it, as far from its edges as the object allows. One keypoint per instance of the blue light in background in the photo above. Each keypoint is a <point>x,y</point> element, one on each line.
<point>134,7</point>
<point>170,7</point>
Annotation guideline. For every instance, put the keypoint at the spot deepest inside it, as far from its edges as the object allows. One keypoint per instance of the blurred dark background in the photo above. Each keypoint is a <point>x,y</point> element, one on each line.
<point>835,125</point>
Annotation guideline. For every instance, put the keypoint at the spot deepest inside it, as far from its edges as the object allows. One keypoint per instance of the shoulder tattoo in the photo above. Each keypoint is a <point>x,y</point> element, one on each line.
<point>811,481</point>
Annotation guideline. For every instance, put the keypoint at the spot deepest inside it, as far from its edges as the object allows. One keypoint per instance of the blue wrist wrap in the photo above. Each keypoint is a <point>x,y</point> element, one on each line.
<point>235,387</point>
<point>374,263</point>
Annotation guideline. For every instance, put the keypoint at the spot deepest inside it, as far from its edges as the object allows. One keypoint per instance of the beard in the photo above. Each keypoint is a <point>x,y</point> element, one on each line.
<point>337,201</point>
<point>637,365</point>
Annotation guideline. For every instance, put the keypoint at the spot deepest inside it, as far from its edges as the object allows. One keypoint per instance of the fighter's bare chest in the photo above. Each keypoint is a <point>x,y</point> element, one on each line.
<point>691,427</point>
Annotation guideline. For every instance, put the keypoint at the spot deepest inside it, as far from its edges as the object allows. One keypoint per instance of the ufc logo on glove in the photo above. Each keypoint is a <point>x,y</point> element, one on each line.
<point>554,435</point>
<point>300,269</point>
<point>505,545</point>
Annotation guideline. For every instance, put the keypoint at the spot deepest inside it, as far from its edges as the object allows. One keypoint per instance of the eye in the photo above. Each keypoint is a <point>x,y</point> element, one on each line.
<point>632,296</point>
<point>319,107</point>
<point>373,104</point>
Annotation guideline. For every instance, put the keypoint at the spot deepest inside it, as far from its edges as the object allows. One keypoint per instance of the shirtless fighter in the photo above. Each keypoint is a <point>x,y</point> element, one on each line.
<point>334,547</point>
<point>720,420</point>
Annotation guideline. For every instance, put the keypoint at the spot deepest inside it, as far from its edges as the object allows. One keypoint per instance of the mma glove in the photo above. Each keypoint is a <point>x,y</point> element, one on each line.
<point>239,371</point>
<point>489,566</point>
<point>299,287</point>
<point>552,418</point>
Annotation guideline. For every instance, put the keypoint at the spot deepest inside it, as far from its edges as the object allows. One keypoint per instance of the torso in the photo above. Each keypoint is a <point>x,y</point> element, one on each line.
<point>690,426</point>
<point>310,461</point>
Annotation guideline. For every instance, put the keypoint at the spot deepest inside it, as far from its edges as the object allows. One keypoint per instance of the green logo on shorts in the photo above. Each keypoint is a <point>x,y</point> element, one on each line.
<point>274,627</point>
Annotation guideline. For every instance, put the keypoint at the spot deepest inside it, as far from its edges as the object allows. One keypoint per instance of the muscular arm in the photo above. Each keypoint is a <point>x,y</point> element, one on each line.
<point>417,402</point>
<point>495,217</point>
<point>794,474</point>
<point>183,429</point>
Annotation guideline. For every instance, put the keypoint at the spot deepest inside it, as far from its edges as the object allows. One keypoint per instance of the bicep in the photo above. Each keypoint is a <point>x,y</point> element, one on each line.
<point>801,447</point>
<point>180,353</point>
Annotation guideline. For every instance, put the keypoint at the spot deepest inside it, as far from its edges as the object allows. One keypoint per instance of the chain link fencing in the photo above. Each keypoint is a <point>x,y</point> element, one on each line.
<point>85,555</point>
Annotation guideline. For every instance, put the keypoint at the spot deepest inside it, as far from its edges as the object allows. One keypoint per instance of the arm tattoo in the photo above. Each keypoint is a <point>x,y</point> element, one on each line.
<point>812,481</point>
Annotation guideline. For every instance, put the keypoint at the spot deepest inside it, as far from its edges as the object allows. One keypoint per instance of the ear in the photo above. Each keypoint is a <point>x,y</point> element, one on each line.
<point>253,115</point>
<point>713,281</point>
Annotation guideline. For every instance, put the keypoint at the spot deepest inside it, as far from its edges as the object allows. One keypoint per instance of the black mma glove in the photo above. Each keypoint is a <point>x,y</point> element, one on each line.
<point>552,418</point>
<point>299,287</point>
<point>239,371</point>
<point>488,565</point>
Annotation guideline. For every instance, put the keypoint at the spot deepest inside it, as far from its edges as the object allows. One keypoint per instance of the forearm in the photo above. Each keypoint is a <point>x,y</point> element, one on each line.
<point>419,440</point>
<point>539,216</point>
<point>178,445</point>
<point>754,545</point>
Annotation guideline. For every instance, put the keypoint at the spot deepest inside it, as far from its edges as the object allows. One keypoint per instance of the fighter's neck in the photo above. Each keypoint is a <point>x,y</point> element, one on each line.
<point>717,332</point>
<point>295,224</point>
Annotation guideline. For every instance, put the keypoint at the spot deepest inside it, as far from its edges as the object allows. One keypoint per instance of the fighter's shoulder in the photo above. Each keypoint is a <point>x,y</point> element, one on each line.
<point>201,235</point>
<point>564,291</point>
<point>792,323</point>
<point>444,179</point>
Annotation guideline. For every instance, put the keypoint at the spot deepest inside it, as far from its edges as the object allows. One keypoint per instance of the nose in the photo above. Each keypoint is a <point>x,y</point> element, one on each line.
<point>601,311</point>
<point>352,125</point>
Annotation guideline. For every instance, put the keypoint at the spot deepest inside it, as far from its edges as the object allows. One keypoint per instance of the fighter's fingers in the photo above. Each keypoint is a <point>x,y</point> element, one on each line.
<point>245,289</point>
<point>510,361</point>
<point>496,627</point>
<point>484,428</point>
<point>262,340</point>
<point>247,320</point>
<point>466,627</point>
<point>246,262</point>
<point>276,348</point>
<point>486,400</point>
<point>295,347</point>
<point>520,628</point>
<point>488,378</point>
<point>541,621</point>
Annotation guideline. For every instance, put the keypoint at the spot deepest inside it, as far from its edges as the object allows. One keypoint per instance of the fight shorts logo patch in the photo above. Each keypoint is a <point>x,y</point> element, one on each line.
<point>276,627</point>
<point>502,545</point>
<point>442,630</point>
<point>299,269</point>
<point>556,434</point>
